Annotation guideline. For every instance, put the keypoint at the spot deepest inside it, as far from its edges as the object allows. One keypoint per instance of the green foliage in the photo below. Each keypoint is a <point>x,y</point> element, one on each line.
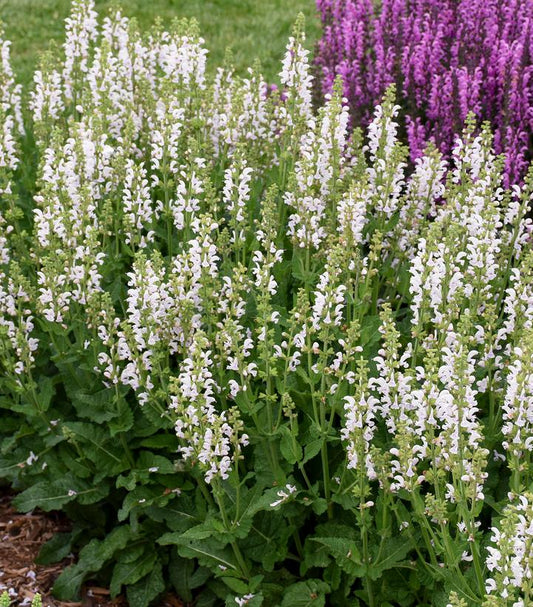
<point>311,593</point>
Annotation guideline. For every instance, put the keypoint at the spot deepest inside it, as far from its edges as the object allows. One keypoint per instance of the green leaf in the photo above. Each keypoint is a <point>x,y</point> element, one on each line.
<point>267,542</point>
<point>28,410</point>
<point>269,497</point>
<point>148,460</point>
<point>233,583</point>
<point>180,572</point>
<point>148,588</point>
<point>10,468</point>
<point>209,528</point>
<point>345,499</point>
<point>319,505</point>
<point>153,421</point>
<point>206,599</point>
<point>99,447</point>
<point>92,558</point>
<point>68,458</point>
<point>46,391</point>
<point>55,549</point>
<point>395,550</point>
<point>68,584</point>
<point>200,577</point>
<point>311,593</point>
<point>248,498</point>
<point>345,552</point>
<point>168,442</point>
<point>312,449</point>
<point>315,558</point>
<point>177,517</point>
<point>128,481</point>
<point>142,497</point>
<point>97,407</point>
<point>370,330</point>
<point>300,273</point>
<point>333,576</point>
<point>124,420</point>
<point>126,573</point>
<point>290,447</point>
<point>49,495</point>
<point>209,552</point>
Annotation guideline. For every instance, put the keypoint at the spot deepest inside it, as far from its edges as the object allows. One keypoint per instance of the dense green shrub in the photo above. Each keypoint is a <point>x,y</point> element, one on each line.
<point>252,358</point>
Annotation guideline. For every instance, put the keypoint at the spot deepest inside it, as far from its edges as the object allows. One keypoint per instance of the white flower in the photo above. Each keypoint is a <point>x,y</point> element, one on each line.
<point>182,59</point>
<point>295,76</point>
<point>207,435</point>
<point>235,195</point>
<point>358,431</point>
<point>284,494</point>
<point>352,213</point>
<point>329,303</point>
<point>509,556</point>
<point>81,30</point>
<point>244,600</point>
<point>139,211</point>
<point>386,171</point>
<point>46,99</point>
<point>517,408</point>
<point>31,458</point>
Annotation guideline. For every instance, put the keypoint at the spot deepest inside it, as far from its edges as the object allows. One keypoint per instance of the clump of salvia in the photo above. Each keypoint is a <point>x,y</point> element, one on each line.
<point>252,356</point>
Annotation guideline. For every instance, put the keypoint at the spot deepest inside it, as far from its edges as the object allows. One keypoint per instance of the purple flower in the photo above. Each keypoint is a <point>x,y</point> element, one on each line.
<point>446,57</point>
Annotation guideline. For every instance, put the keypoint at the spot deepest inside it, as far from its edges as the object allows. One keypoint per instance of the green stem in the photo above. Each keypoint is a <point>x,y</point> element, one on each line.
<point>240,559</point>
<point>207,494</point>
<point>127,449</point>
<point>478,569</point>
<point>384,517</point>
<point>325,473</point>
<point>427,532</point>
<point>236,550</point>
<point>298,543</point>
<point>366,559</point>
<point>364,536</point>
<point>304,474</point>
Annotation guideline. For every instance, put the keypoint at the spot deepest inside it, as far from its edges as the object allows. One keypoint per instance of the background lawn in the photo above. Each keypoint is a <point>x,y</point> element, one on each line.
<point>252,28</point>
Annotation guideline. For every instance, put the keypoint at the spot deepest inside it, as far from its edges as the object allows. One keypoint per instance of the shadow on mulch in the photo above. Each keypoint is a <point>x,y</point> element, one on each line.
<point>21,538</point>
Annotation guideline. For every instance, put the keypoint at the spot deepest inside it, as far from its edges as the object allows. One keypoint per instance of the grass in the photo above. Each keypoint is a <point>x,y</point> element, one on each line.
<point>252,28</point>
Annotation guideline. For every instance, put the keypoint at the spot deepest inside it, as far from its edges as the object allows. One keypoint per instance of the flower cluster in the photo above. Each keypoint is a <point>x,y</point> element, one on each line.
<point>447,58</point>
<point>510,557</point>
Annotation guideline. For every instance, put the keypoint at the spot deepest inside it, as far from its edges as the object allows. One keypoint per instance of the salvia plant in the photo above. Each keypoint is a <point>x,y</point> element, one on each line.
<point>446,57</point>
<point>254,358</point>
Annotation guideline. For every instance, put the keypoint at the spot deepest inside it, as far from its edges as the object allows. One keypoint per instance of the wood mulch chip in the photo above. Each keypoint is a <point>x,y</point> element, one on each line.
<point>21,538</point>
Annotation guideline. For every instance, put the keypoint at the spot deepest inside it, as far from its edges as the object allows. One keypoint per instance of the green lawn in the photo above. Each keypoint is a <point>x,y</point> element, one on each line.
<point>252,28</point>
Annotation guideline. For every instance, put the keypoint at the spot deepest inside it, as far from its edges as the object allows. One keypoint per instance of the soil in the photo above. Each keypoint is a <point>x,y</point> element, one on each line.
<point>21,538</point>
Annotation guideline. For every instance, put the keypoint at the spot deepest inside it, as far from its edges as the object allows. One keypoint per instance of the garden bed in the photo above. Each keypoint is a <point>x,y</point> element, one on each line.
<point>22,536</point>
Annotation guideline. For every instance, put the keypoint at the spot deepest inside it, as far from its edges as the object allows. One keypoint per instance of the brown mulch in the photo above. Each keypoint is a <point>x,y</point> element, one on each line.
<point>21,538</point>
